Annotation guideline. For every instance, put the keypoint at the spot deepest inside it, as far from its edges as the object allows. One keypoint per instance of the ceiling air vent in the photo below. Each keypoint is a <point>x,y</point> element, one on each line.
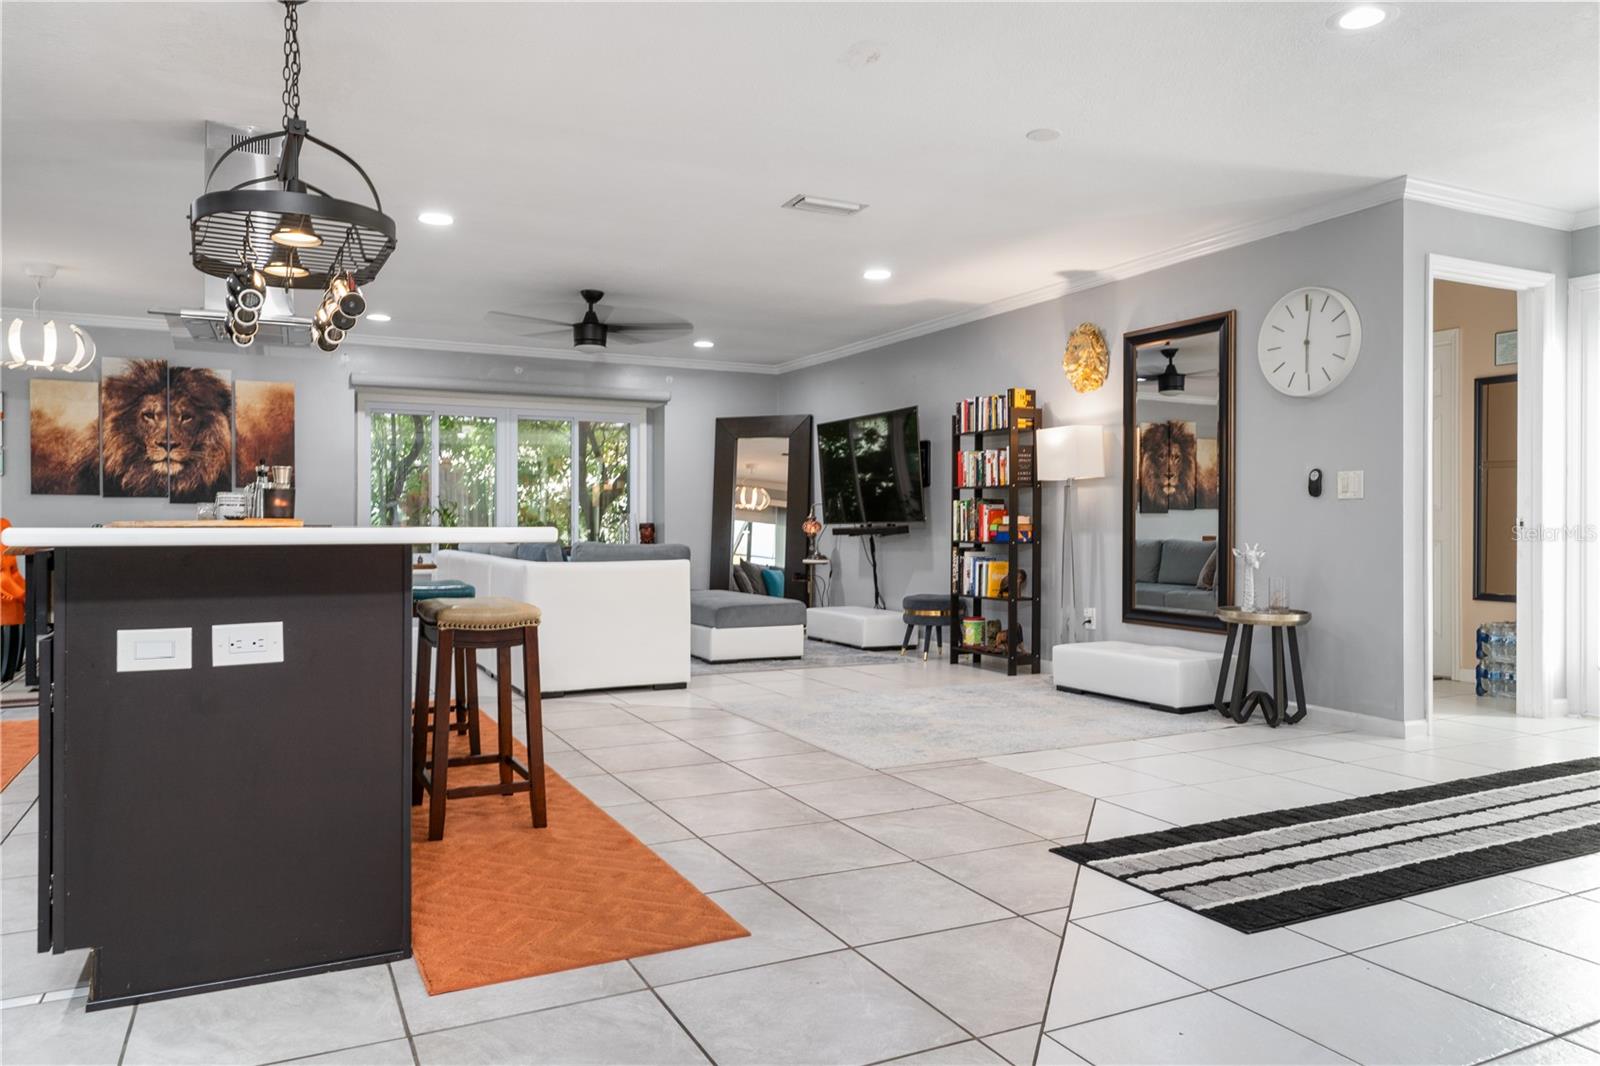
<point>824,205</point>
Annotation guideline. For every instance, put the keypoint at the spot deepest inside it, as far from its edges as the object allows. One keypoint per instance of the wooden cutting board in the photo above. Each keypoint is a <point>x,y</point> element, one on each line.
<point>196,523</point>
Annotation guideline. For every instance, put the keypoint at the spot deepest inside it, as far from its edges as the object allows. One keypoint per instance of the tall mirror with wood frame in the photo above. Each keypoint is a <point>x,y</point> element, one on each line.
<point>759,501</point>
<point>1177,480</point>
<point>1494,489</point>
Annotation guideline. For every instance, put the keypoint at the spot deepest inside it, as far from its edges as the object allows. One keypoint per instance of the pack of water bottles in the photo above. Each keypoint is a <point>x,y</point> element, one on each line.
<point>1497,660</point>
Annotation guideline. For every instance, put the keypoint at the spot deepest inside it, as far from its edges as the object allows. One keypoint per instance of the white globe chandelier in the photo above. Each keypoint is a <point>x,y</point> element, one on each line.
<point>35,344</point>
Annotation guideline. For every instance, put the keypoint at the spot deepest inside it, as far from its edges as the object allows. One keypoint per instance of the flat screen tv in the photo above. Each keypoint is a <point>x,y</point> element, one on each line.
<point>871,469</point>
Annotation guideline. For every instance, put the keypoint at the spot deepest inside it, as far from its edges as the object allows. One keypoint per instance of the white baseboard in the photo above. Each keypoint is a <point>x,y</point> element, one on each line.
<point>1469,677</point>
<point>1365,723</point>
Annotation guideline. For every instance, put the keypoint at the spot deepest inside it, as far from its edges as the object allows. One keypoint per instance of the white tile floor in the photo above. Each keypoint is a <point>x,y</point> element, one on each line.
<point>917,915</point>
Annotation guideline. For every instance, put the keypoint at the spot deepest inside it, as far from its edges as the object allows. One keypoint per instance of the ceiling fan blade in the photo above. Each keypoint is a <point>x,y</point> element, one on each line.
<point>651,327</point>
<point>527,325</point>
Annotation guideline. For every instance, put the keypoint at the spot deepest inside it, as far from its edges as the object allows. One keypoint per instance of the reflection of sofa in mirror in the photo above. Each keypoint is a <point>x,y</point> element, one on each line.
<point>1175,575</point>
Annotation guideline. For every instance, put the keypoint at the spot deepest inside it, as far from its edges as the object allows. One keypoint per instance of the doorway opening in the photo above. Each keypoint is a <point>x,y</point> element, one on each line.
<point>1511,444</point>
<point>1474,499</point>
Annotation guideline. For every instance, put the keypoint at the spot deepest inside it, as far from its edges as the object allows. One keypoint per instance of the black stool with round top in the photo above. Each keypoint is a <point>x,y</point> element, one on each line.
<point>456,625</point>
<point>930,611</point>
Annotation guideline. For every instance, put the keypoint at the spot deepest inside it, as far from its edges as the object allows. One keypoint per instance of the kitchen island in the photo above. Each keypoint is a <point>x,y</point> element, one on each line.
<point>224,722</point>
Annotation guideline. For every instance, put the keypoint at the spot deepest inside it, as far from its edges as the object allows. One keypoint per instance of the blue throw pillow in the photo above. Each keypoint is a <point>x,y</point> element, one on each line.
<point>774,581</point>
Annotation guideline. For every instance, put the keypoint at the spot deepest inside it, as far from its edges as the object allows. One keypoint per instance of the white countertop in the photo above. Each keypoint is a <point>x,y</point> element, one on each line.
<point>254,536</point>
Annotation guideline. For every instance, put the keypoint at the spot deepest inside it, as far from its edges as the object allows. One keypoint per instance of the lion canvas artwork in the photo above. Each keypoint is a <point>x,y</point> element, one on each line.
<point>199,432</point>
<point>133,427</point>
<point>64,437</point>
<point>1166,467</point>
<point>165,431</point>
<point>1208,475</point>
<point>264,413</point>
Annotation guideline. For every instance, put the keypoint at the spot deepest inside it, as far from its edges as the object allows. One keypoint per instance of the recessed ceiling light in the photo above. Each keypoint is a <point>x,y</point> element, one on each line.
<point>705,344</point>
<point>877,274</point>
<point>436,218</point>
<point>1043,133</point>
<point>1360,17</point>
<point>378,316</point>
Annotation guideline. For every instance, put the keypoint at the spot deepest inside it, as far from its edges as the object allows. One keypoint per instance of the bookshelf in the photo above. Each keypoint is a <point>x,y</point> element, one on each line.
<point>995,505</point>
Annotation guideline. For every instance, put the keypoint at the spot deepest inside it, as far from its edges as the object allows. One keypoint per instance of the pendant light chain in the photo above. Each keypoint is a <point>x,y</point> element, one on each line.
<point>291,62</point>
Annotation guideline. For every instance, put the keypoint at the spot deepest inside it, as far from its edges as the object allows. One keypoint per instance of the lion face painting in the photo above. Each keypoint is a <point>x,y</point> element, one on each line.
<point>133,427</point>
<point>1166,467</point>
<point>165,433</point>
<point>199,454</point>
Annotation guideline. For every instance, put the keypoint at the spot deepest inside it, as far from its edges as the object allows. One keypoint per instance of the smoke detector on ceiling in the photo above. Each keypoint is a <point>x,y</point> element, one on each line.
<point>824,205</point>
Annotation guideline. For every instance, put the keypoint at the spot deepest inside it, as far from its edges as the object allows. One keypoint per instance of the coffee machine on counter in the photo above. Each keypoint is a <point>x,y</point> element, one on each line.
<point>277,498</point>
<point>270,495</point>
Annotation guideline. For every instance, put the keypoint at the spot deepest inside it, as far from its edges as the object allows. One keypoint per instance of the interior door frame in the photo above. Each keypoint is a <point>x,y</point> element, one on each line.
<point>1583,499</point>
<point>1541,493</point>
<point>1450,590</point>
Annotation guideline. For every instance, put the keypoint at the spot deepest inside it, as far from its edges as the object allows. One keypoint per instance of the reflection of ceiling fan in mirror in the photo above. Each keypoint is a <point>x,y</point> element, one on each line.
<point>600,323</point>
<point>1170,380</point>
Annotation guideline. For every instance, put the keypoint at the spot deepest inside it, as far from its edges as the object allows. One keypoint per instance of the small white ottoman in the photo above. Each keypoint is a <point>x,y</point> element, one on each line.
<point>1179,680</point>
<point>859,627</point>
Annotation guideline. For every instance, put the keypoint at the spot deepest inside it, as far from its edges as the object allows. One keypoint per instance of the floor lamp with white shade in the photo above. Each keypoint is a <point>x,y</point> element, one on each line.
<point>1067,454</point>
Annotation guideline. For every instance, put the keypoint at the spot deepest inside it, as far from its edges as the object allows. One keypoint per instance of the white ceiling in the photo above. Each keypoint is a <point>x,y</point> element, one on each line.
<point>644,149</point>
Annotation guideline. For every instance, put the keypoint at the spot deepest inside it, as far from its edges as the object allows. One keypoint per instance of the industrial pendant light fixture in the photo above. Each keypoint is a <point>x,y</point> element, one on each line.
<point>46,345</point>
<point>283,229</point>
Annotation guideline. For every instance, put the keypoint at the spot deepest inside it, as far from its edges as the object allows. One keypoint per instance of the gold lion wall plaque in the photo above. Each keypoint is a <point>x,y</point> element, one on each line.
<point>1086,359</point>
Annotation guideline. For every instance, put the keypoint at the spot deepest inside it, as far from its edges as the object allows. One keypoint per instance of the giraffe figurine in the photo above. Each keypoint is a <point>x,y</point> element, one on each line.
<point>1250,555</point>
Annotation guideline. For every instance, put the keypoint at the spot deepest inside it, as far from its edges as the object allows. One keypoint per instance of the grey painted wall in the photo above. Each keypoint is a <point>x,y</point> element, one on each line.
<point>325,442</point>
<point>1341,557</point>
<point>1584,257</point>
<point>1432,230</point>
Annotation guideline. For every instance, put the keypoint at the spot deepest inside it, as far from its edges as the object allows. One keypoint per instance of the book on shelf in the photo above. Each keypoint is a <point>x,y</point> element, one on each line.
<point>985,468</point>
<point>977,576</point>
<point>979,414</point>
<point>981,522</point>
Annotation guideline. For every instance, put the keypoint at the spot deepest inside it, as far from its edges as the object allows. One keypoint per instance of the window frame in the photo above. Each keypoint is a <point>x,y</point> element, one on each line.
<point>507,415</point>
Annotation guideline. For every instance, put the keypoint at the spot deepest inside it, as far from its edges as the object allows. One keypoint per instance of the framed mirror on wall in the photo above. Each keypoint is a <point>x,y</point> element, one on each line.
<point>760,496</point>
<point>1494,495</point>
<point>1178,493</point>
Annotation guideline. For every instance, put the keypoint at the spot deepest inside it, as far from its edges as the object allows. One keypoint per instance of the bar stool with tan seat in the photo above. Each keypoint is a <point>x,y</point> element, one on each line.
<point>473,624</point>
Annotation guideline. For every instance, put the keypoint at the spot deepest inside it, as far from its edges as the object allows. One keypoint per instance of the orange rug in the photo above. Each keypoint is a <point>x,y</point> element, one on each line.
<point>497,900</point>
<point>19,743</point>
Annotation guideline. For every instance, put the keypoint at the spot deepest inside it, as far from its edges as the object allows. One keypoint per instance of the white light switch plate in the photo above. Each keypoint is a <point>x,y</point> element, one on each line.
<point>139,650</point>
<point>247,644</point>
<point>1352,484</point>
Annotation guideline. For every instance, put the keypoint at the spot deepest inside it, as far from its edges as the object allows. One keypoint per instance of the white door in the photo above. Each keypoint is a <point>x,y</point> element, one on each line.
<point>1446,557</point>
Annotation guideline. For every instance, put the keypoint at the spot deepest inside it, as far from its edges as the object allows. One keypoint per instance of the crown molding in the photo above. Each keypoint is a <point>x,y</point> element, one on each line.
<point>1209,244</point>
<point>1585,219</point>
<point>154,323</point>
<point>1421,190</point>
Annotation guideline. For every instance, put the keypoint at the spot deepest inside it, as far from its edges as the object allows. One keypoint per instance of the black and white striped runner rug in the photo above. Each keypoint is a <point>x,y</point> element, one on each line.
<point>1267,870</point>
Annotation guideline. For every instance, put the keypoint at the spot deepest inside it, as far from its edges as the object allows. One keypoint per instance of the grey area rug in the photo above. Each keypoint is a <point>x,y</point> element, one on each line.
<point>818,653</point>
<point>1267,870</point>
<point>948,722</point>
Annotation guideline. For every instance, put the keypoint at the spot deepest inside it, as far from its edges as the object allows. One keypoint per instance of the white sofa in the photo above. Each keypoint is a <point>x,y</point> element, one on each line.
<point>605,624</point>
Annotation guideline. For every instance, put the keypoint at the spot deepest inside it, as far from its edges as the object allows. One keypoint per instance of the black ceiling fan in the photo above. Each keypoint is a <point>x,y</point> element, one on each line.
<point>600,323</point>
<point>1170,379</point>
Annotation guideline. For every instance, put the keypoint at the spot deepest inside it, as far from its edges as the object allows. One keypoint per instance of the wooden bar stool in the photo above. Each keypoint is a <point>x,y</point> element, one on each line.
<point>453,626</point>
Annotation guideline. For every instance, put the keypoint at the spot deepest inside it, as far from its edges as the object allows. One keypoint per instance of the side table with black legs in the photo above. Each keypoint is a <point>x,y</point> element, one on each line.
<point>1243,703</point>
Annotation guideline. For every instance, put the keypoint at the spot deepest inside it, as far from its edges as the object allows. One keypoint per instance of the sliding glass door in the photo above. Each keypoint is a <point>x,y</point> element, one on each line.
<point>451,464</point>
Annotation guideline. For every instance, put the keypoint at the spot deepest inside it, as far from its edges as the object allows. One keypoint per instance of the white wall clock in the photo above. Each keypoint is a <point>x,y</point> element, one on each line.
<point>1309,341</point>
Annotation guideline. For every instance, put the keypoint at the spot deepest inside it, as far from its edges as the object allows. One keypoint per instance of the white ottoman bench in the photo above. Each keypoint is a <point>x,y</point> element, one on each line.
<point>859,627</point>
<point>1179,680</point>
